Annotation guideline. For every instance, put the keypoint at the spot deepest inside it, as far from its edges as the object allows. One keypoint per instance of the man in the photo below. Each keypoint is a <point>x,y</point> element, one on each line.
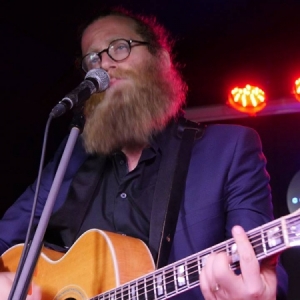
<point>114,170</point>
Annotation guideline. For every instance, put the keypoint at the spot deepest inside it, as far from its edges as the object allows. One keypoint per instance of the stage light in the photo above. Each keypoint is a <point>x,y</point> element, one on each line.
<point>297,89</point>
<point>249,99</point>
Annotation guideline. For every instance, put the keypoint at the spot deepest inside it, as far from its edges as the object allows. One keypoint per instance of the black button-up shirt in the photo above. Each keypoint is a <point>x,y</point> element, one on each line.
<point>122,202</point>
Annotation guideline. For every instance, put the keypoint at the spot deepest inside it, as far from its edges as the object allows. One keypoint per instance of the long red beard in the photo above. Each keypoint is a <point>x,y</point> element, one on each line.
<point>127,116</point>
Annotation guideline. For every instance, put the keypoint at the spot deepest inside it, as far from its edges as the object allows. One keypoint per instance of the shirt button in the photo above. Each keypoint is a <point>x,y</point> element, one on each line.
<point>123,195</point>
<point>121,162</point>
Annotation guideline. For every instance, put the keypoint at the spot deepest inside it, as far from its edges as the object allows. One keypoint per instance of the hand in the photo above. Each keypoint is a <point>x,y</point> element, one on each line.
<point>256,281</point>
<point>6,281</point>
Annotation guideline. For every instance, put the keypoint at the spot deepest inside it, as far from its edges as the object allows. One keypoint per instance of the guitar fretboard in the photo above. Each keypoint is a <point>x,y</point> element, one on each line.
<point>183,275</point>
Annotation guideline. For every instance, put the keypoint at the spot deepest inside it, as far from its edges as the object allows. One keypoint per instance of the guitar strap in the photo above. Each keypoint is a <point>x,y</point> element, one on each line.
<point>170,189</point>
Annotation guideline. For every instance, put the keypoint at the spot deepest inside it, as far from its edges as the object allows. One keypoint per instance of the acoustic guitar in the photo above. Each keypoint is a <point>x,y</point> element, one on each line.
<point>107,266</point>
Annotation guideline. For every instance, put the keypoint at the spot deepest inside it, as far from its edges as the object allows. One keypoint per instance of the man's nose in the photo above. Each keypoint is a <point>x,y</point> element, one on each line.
<point>107,62</point>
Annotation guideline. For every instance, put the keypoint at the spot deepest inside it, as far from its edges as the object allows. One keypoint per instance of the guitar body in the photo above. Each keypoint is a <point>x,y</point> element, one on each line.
<point>97,262</point>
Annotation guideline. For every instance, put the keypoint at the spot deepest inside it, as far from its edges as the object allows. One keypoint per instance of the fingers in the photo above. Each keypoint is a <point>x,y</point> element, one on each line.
<point>6,281</point>
<point>259,280</point>
<point>249,264</point>
<point>218,280</point>
<point>215,276</point>
<point>36,293</point>
<point>206,278</point>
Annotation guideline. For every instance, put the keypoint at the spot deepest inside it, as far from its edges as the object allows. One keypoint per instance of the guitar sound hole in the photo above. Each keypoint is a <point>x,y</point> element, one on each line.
<point>70,298</point>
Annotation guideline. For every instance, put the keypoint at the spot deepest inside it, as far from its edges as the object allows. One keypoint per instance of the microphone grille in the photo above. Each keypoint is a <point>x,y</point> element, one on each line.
<point>101,76</point>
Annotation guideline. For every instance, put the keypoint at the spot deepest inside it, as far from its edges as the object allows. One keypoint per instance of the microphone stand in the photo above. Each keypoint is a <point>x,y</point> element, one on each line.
<point>37,241</point>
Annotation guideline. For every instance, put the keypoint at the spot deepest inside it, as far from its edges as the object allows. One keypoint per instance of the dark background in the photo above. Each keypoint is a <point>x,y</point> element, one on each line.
<point>220,44</point>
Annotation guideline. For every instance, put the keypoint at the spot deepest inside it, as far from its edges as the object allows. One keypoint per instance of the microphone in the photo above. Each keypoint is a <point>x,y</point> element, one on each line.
<point>96,80</point>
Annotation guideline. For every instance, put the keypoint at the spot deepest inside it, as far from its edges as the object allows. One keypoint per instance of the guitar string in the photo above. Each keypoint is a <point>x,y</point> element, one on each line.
<point>126,288</point>
<point>168,271</point>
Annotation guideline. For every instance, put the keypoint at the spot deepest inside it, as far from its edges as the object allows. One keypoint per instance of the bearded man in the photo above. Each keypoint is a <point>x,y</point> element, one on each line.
<point>115,171</point>
<point>145,90</point>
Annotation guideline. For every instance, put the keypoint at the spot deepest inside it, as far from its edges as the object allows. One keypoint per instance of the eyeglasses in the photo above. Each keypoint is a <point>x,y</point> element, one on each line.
<point>117,50</point>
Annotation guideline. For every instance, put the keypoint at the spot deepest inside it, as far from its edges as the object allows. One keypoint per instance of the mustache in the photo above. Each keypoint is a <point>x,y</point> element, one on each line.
<point>98,98</point>
<point>122,74</point>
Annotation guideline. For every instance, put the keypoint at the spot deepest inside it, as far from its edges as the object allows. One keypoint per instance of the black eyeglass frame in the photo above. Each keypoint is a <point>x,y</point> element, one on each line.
<point>99,54</point>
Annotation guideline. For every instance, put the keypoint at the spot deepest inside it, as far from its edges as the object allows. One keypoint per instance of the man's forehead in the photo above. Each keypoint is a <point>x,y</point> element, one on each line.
<point>113,24</point>
<point>109,28</point>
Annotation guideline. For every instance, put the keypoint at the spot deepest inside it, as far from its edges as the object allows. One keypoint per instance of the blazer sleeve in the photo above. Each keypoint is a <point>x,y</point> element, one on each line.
<point>227,185</point>
<point>247,188</point>
<point>15,221</point>
<point>250,201</point>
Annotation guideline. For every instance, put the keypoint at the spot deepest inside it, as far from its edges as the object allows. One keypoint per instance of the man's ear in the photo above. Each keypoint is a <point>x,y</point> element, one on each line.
<point>165,58</point>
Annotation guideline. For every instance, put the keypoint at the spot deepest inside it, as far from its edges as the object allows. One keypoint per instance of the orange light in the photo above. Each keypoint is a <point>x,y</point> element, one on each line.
<point>249,99</point>
<point>297,89</point>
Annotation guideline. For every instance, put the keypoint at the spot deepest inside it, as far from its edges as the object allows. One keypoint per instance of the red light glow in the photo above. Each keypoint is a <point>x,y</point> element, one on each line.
<point>297,89</point>
<point>249,99</point>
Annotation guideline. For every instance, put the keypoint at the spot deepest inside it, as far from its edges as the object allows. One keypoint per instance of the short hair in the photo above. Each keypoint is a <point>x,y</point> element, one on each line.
<point>147,27</point>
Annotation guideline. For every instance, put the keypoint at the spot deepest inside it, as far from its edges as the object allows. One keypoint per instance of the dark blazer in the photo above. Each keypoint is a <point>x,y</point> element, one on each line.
<point>227,184</point>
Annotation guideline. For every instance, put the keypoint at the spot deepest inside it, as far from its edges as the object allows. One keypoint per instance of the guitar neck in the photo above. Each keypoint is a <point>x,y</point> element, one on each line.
<point>267,240</point>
